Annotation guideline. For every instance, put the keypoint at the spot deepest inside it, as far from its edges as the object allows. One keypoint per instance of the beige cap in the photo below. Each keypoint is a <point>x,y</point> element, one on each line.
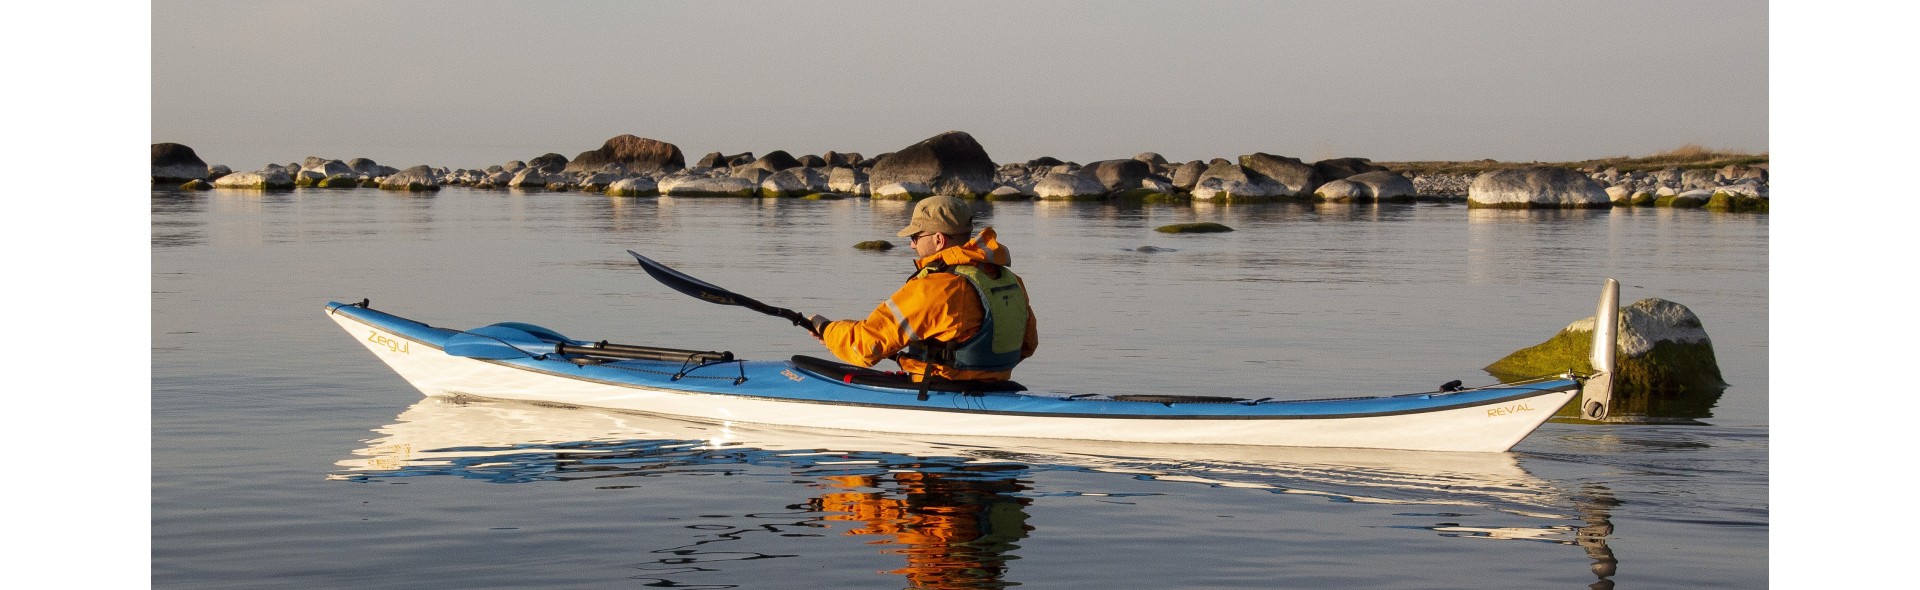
<point>944,214</point>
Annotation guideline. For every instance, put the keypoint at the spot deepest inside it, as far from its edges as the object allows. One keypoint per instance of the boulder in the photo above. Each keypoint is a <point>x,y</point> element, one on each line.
<point>528,177</point>
<point>901,191</point>
<point>308,177</point>
<point>844,179</point>
<point>1069,187</point>
<point>1199,227</point>
<point>174,164</point>
<point>549,164</point>
<point>1688,199</point>
<point>1117,175</point>
<point>1386,186</point>
<point>723,186</point>
<point>1662,347</point>
<point>1698,179</point>
<point>1620,195</point>
<point>1536,187</point>
<point>630,153</point>
<point>1216,190</point>
<point>598,182</point>
<point>1043,162</point>
<point>348,180</point>
<point>1188,174</point>
<point>793,182</point>
<point>1293,177</point>
<point>813,161</point>
<point>513,166</point>
<point>740,159</point>
<point>634,187</point>
<point>196,185</point>
<point>1155,162</point>
<point>1338,168</point>
<point>950,163</point>
<point>1343,191</point>
<point>712,160</point>
<point>776,161</point>
<point>749,172</point>
<point>264,180</point>
<point>1007,193</point>
<point>837,159</point>
<point>417,178</point>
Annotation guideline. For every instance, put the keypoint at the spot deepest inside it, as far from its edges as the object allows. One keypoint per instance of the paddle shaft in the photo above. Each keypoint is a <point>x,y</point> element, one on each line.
<point>709,292</point>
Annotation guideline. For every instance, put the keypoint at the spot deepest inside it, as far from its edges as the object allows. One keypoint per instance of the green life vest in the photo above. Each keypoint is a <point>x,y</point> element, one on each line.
<point>1003,326</point>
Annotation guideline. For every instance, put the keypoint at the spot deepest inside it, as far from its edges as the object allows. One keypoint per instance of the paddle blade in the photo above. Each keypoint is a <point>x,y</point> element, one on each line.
<point>500,341</point>
<point>686,284</point>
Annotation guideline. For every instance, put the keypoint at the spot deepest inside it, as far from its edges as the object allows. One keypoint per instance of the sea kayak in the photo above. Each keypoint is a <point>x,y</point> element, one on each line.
<point>517,361</point>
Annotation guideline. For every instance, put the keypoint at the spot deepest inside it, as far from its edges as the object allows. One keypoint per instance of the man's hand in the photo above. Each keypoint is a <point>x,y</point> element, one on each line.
<point>819,323</point>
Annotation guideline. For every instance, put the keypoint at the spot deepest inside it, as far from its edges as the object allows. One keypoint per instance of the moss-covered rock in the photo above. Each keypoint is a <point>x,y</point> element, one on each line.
<point>824,196</point>
<point>877,245</point>
<point>1665,361</point>
<point>1739,203</point>
<point>196,185</point>
<point>1203,227</point>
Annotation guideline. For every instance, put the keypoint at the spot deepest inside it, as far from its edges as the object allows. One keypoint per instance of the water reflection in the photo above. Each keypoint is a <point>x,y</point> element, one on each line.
<point>955,511</point>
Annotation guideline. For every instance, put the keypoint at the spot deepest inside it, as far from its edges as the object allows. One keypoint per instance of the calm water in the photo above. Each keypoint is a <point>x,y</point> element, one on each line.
<point>284,455</point>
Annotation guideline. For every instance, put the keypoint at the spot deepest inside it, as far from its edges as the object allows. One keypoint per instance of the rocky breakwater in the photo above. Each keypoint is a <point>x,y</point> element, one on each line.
<point>1728,188</point>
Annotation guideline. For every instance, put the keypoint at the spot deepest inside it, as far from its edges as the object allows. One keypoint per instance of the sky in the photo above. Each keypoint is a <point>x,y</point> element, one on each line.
<point>474,83</point>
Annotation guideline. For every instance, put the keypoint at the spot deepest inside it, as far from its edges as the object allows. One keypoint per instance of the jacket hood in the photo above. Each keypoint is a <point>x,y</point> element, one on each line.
<point>982,248</point>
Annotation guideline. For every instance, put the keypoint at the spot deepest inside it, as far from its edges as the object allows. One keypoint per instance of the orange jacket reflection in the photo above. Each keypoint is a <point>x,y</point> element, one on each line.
<point>955,533</point>
<point>940,306</point>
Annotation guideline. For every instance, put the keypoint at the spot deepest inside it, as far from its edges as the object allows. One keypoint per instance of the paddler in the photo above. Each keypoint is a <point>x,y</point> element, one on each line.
<point>961,315</point>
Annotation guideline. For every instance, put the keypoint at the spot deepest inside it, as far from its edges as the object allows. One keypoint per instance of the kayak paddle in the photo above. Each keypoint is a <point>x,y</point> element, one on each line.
<point>706,291</point>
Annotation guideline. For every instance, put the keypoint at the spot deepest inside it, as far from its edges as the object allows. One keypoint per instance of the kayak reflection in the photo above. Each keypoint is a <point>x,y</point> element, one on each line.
<point>956,509</point>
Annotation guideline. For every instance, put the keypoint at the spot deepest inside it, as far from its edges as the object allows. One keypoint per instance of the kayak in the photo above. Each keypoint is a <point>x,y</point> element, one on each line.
<point>518,361</point>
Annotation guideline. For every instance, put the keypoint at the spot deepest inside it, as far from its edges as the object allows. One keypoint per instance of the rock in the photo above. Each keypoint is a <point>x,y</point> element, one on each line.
<point>1043,162</point>
<point>793,182</point>
<point>878,245</point>
<point>1338,168</point>
<point>1188,174</point>
<point>1738,202</point>
<point>1662,347</point>
<point>1536,187</point>
<point>1155,162</point>
<point>813,161</point>
<point>196,185</point>
<point>1117,175</point>
<point>1343,191</point>
<point>308,177</point>
<point>513,166</point>
<point>901,191</point>
<point>634,187</point>
<point>740,159</point>
<point>950,163</point>
<point>1007,193</point>
<point>842,179</point>
<point>1224,171</point>
<point>528,177</point>
<point>1620,195</point>
<point>1069,187</point>
<point>1295,178</point>
<point>1691,199</point>
<point>1204,227</point>
<point>1215,190</point>
<point>549,164</point>
<point>840,160</point>
<point>417,178</point>
<point>749,172</point>
<point>344,180</point>
<point>263,180</point>
<point>1697,179</point>
<point>723,186</point>
<point>1386,186</point>
<point>218,170</point>
<point>712,160</point>
<point>776,161</point>
<point>597,183</point>
<point>631,153</point>
<point>174,164</point>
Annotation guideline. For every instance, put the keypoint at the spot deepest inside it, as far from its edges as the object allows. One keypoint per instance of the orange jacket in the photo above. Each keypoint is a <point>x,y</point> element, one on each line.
<point>942,306</point>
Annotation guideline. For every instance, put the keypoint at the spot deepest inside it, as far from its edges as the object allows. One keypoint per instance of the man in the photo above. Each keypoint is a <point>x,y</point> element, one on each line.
<point>961,316</point>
